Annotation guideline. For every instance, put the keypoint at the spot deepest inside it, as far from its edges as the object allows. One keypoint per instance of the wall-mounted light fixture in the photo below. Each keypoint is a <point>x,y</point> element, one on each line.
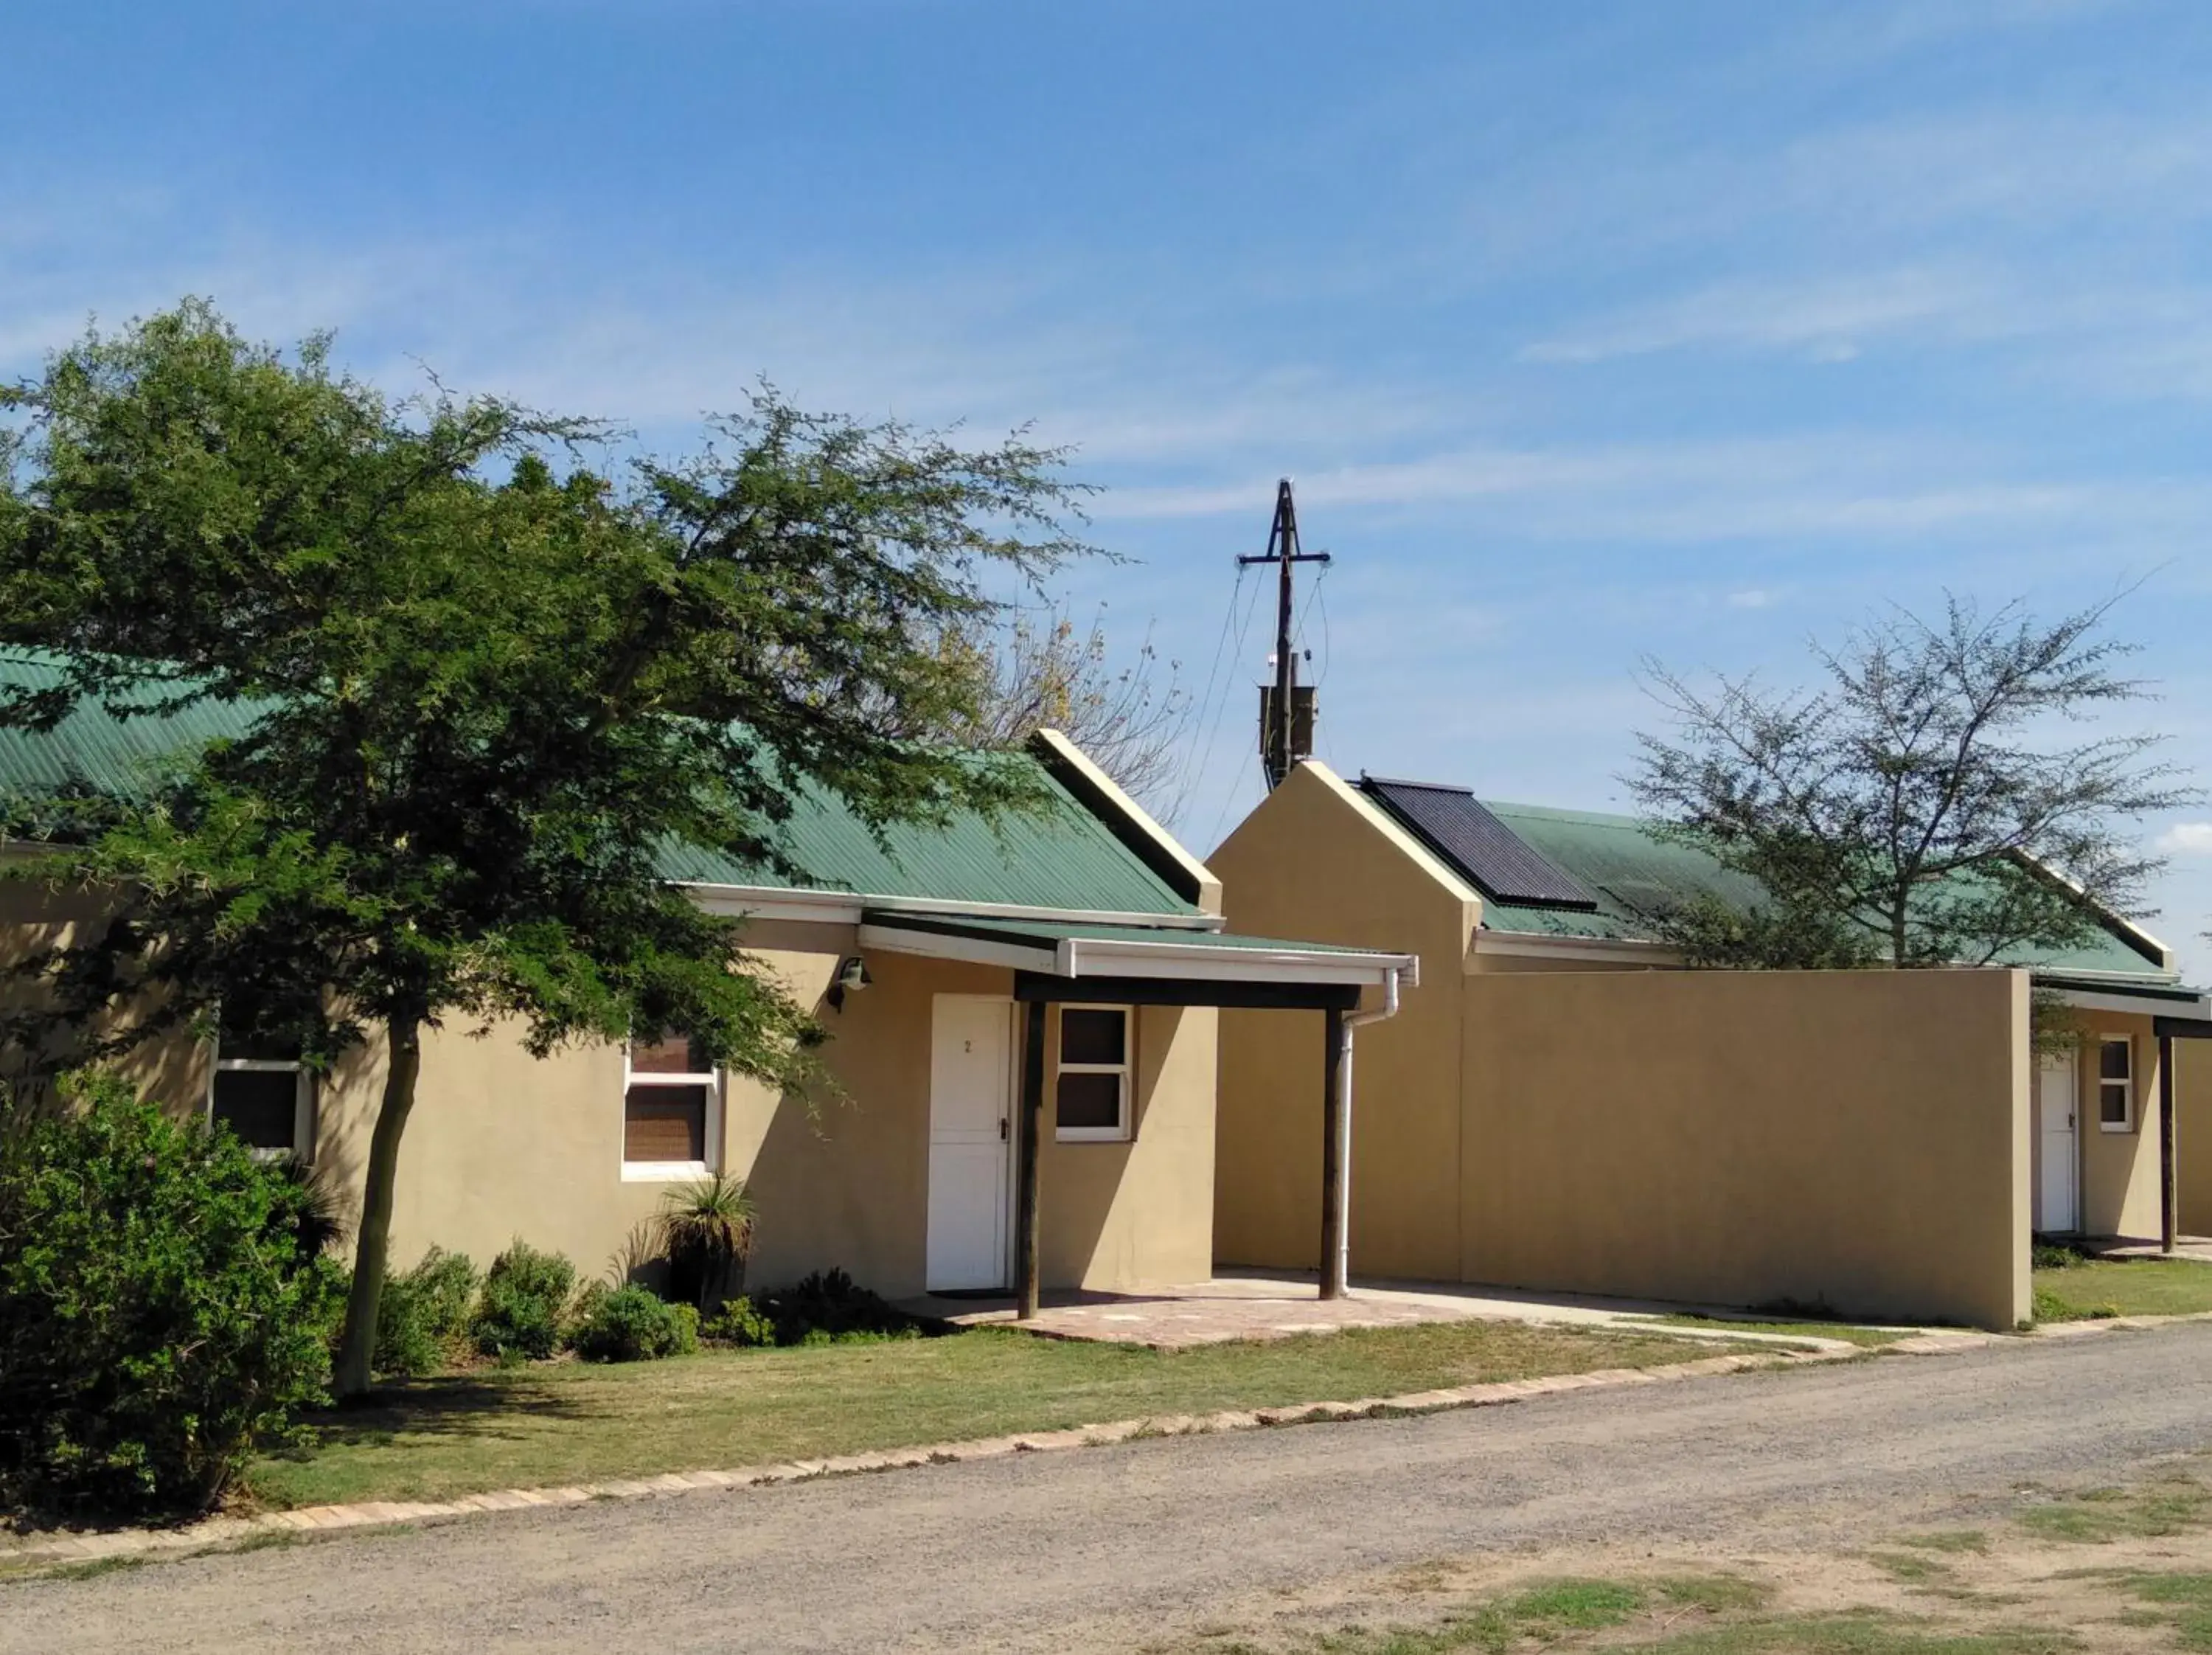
<point>852,977</point>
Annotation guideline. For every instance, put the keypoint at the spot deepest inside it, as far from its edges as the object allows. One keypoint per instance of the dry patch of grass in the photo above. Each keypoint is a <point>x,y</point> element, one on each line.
<point>2099,1515</point>
<point>1678,1615</point>
<point>575,1422</point>
<point>2044,1581</point>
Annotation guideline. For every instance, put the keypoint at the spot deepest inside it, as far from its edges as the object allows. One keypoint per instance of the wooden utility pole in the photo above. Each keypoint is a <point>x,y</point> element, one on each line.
<point>1282,549</point>
<point>2169,1203</point>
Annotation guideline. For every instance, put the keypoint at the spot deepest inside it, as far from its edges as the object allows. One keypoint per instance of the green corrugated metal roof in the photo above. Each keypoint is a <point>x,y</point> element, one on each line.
<point>1061,857</point>
<point>1630,870</point>
<point>92,751</point>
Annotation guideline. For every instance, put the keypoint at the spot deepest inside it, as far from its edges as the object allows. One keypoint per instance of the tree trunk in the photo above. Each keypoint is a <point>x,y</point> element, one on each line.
<point>373,1245</point>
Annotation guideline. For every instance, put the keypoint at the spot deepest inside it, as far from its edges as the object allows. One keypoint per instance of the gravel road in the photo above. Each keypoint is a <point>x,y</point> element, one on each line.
<point>1107,1547</point>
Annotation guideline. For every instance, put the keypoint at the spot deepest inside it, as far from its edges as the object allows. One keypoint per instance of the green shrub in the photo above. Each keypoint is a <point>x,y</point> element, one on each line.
<point>519,1312</point>
<point>830,1308</point>
<point>634,1325</point>
<point>738,1322</point>
<point>423,1315</point>
<point>706,1231</point>
<point>164,1300</point>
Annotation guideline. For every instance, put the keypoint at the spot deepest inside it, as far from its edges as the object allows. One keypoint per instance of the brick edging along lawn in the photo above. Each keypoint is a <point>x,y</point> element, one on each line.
<point>221,1531</point>
<point>348,1514</point>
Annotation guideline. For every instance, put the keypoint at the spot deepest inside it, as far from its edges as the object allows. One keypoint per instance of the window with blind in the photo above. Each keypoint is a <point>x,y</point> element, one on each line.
<point>670,1096</point>
<point>1090,1094</point>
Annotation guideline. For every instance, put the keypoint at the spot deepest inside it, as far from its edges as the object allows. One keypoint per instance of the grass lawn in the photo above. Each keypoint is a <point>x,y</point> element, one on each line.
<point>572,1422</point>
<point>2122,1286</point>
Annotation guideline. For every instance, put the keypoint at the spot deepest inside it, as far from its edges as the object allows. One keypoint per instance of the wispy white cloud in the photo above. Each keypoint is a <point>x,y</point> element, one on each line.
<point>1827,317</point>
<point>1783,488</point>
<point>2187,839</point>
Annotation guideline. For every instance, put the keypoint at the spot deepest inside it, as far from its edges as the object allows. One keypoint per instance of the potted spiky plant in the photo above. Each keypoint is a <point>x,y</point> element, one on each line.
<point>706,1230</point>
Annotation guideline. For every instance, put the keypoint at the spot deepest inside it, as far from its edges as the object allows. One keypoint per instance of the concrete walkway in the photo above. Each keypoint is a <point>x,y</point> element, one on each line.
<point>1255,1304</point>
<point>2199,1249</point>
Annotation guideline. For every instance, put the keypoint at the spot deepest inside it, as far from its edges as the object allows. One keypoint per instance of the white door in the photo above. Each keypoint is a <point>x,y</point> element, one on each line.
<point>2057,1098</point>
<point>970,1123</point>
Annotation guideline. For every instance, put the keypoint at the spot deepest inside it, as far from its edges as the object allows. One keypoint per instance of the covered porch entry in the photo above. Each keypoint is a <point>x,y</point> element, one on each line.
<point>1090,972</point>
<point>2070,1103</point>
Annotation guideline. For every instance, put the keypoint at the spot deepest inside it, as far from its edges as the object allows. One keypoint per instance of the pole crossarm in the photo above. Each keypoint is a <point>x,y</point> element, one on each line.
<point>1283,550</point>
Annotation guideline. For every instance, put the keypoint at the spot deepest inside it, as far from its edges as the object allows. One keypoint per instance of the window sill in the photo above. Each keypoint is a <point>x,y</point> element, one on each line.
<point>1077,1134</point>
<point>663,1171</point>
<point>2115,1126</point>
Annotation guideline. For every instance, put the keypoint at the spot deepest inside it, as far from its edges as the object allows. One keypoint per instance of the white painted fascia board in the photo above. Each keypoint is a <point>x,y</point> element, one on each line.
<point>977,950</point>
<point>815,907</point>
<point>1534,944</point>
<point>1391,830</point>
<point>2165,955</point>
<point>1064,751</point>
<point>844,907</point>
<point>1093,957</point>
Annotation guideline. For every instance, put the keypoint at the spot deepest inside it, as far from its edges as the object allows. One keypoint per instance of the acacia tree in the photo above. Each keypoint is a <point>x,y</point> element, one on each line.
<point>481,696</point>
<point>1924,805</point>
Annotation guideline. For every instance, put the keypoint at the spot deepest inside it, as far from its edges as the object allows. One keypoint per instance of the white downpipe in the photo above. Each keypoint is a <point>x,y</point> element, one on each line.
<point>1340,1268</point>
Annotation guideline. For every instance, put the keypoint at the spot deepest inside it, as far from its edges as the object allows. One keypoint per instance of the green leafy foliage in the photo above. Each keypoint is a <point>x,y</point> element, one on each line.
<point>707,1231</point>
<point>422,1320</point>
<point>830,1307</point>
<point>521,1310</point>
<point>486,674</point>
<point>1713,933</point>
<point>164,1300</point>
<point>634,1325</point>
<point>741,1323</point>
<point>1914,808</point>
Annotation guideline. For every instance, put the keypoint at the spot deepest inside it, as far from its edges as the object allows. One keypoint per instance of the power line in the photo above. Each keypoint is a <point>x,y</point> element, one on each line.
<point>1213,672</point>
<point>1236,652</point>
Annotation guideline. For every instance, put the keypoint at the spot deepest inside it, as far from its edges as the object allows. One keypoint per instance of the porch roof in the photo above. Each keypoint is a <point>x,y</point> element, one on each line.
<point>1071,953</point>
<point>2177,1011</point>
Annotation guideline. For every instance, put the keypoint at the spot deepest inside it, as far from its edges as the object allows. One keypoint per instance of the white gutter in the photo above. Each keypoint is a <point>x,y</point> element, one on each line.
<point>1080,957</point>
<point>1336,1272</point>
<point>844,908</point>
<point>1552,944</point>
<point>2160,979</point>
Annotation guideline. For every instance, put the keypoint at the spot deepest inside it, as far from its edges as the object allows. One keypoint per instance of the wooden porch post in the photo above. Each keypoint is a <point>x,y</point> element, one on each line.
<point>2169,1200</point>
<point>1333,1284</point>
<point>1025,1185</point>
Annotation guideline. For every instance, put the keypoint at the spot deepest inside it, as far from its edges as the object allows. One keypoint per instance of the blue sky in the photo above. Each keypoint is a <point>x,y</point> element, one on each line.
<point>1589,331</point>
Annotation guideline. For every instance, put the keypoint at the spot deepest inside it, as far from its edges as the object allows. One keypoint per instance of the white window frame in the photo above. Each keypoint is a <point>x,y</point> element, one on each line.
<point>710,1134</point>
<point>1120,1131</point>
<point>2128,1086</point>
<point>303,1100</point>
